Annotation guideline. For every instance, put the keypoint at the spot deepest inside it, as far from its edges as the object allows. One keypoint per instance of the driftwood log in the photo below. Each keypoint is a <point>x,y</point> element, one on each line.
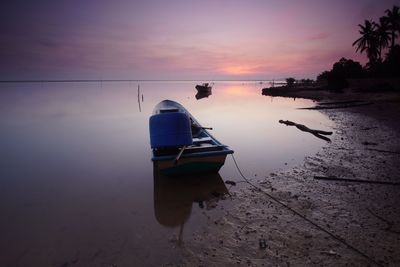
<point>333,178</point>
<point>318,133</point>
<point>383,151</point>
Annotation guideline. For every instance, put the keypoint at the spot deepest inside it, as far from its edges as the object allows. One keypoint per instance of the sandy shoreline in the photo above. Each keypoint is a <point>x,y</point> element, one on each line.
<point>338,223</point>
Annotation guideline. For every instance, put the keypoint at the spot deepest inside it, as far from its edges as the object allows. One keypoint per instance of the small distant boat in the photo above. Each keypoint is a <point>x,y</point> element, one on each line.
<point>205,87</point>
<point>180,144</point>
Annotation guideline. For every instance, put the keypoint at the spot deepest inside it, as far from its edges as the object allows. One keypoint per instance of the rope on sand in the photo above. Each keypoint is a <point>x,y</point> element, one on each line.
<point>336,237</point>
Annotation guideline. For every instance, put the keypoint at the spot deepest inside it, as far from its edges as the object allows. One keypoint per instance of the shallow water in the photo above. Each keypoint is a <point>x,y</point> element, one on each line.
<point>77,182</point>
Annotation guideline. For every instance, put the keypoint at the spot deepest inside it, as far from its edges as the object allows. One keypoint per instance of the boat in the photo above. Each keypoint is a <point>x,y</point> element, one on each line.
<point>205,87</point>
<point>179,143</point>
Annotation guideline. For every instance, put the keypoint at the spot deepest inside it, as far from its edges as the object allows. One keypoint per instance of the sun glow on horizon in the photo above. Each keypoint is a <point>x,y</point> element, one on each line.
<point>239,70</point>
<point>238,90</point>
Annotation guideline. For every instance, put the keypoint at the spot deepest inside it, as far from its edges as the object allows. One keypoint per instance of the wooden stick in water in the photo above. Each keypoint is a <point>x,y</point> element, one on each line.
<point>138,97</point>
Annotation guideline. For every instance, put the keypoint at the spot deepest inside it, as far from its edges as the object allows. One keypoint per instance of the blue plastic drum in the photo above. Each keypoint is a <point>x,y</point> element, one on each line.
<point>169,130</point>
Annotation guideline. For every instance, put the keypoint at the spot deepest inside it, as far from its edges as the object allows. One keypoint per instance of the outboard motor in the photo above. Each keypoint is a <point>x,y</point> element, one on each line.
<point>170,129</point>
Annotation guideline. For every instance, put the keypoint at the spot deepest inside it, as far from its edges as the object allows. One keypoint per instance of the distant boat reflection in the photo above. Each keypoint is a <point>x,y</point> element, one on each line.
<point>174,196</point>
<point>201,94</point>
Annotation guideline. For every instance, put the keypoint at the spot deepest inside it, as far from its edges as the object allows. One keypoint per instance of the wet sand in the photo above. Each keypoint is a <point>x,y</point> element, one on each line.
<point>317,222</point>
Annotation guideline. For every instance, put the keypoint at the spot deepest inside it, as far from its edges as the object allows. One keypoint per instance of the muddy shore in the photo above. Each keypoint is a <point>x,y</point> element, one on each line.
<point>296,220</point>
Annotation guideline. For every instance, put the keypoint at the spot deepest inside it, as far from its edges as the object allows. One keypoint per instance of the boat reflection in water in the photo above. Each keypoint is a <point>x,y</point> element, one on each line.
<point>175,196</point>
<point>201,94</point>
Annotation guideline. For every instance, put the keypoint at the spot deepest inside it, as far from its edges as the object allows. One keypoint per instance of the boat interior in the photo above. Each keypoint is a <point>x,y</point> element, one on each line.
<point>202,141</point>
<point>203,144</point>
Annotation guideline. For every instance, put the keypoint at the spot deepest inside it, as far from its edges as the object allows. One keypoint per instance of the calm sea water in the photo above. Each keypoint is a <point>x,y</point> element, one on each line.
<point>77,184</point>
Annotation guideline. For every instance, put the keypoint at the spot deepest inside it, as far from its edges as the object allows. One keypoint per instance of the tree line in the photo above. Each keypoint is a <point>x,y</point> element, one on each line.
<point>376,37</point>
<point>378,42</point>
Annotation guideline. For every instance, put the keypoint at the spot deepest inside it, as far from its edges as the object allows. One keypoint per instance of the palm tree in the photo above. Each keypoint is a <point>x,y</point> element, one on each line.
<point>393,21</point>
<point>382,34</point>
<point>368,41</point>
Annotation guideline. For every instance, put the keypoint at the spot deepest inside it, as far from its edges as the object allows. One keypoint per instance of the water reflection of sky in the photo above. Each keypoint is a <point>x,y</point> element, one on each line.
<point>76,173</point>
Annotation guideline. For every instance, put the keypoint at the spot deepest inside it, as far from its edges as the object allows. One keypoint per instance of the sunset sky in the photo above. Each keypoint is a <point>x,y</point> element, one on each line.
<point>205,40</point>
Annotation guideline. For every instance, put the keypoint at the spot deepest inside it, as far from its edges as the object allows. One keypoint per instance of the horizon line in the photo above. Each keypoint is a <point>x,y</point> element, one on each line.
<point>134,80</point>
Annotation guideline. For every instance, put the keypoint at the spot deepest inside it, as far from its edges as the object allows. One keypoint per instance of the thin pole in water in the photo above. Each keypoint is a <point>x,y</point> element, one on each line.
<point>138,97</point>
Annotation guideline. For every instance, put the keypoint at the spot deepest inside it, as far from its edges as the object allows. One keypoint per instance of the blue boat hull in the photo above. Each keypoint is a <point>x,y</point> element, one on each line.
<point>211,164</point>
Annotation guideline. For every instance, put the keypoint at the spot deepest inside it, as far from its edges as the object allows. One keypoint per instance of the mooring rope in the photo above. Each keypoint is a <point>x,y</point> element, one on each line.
<point>338,238</point>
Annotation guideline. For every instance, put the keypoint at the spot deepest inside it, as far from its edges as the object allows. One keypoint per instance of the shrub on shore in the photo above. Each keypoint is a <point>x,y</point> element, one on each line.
<point>342,70</point>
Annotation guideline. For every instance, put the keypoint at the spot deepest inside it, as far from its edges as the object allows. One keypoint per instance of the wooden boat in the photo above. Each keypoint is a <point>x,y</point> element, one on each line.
<point>205,87</point>
<point>180,144</point>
